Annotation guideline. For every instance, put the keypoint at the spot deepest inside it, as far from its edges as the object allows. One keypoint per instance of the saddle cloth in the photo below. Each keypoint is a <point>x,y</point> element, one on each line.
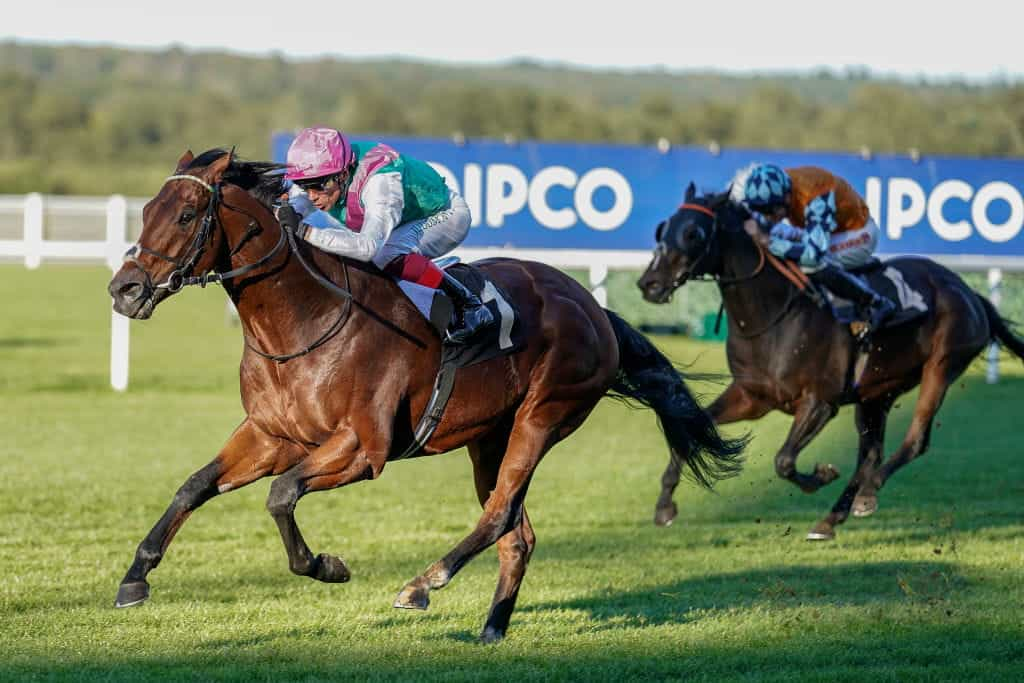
<point>504,338</point>
<point>890,280</point>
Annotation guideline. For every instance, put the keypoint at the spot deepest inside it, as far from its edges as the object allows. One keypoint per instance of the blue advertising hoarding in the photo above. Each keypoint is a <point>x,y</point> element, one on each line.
<point>539,195</point>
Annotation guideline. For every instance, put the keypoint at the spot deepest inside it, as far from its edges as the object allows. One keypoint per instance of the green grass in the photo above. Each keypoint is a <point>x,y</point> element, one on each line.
<point>930,588</point>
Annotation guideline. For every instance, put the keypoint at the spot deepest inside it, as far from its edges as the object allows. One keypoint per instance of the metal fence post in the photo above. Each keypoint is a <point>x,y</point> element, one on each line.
<point>995,295</point>
<point>33,225</point>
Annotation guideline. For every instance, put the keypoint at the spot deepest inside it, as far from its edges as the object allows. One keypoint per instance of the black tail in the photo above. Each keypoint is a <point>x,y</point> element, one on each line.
<point>645,375</point>
<point>1001,330</point>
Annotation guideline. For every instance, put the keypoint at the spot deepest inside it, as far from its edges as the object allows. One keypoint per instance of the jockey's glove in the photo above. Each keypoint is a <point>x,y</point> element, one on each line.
<point>288,218</point>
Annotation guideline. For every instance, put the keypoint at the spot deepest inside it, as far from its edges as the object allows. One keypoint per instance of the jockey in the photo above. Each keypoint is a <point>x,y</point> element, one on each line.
<point>367,202</point>
<point>816,219</point>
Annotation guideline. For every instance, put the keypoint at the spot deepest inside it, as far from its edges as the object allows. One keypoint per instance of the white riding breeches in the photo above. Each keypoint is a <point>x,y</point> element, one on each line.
<point>854,248</point>
<point>432,236</point>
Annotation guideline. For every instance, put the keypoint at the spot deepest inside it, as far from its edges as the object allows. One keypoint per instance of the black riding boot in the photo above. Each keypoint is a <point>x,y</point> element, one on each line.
<point>872,307</point>
<point>471,315</point>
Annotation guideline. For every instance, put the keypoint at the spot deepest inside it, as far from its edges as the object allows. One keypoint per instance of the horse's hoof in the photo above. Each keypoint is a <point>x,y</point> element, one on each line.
<point>415,595</point>
<point>131,594</point>
<point>864,505</point>
<point>822,531</point>
<point>331,569</point>
<point>491,635</point>
<point>826,474</point>
<point>665,514</point>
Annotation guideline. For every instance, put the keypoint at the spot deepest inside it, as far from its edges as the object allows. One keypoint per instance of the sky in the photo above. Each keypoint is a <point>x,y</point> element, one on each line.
<point>978,40</point>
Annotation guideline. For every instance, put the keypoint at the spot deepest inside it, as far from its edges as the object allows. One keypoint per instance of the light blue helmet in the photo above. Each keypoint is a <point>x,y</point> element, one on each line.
<point>766,187</point>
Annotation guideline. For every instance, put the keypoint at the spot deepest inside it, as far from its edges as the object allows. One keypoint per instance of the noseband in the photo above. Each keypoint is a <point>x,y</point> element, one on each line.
<point>182,276</point>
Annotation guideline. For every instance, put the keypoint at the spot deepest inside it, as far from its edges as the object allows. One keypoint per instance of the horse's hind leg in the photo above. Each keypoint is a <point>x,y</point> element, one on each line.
<point>533,434</point>
<point>340,460</point>
<point>249,454</point>
<point>732,405</point>
<point>935,380</point>
<point>870,420</point>
<point>514,548</point>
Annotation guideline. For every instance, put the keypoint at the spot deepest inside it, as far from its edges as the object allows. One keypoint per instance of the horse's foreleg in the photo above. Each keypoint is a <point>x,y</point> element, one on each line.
<point>342,459</point>
<point>732,405</point>
<point>870,420</point>
<point>247,456</point>
<point>811,417</point>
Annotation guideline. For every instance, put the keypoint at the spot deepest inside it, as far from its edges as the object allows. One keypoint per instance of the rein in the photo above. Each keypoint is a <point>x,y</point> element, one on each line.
<point>181,276</point>
<point>787,269</point>
<point>718,278</point>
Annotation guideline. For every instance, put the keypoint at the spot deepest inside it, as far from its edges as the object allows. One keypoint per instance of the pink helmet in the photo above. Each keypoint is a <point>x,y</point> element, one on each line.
<point>318,152</point>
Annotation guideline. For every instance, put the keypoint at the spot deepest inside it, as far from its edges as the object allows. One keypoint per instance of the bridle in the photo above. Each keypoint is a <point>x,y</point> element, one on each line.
<point>184,264</point>
<point>662,249</point>
<point>764,256</point>
<point>181,276</point>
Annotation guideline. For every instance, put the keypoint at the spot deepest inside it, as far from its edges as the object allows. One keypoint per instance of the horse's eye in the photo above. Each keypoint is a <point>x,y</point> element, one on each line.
<point>187,216</point>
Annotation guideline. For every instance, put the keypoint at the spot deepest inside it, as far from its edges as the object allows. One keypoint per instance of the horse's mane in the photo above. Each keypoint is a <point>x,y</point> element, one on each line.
<point>731,212</point>
<point>264,180</point>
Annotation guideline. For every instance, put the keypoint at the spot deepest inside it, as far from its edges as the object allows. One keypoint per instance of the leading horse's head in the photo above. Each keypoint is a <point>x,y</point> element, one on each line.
<point>688,244</point>
<point>182,232</point>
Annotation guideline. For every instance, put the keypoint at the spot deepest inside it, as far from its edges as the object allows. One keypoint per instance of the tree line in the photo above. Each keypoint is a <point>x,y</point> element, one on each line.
<point>96,120</point>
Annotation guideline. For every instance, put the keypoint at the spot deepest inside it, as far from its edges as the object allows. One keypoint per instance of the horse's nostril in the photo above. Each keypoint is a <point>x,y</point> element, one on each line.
<point>130,292</point>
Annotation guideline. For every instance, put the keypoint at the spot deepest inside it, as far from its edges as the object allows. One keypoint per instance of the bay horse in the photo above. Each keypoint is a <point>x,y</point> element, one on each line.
<point>333,390</point>
<point>786,353</point>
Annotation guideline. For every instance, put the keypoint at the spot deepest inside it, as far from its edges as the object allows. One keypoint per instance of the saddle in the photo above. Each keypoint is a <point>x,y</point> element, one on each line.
<point>505,338</point>
<point>890,281</point>
<point>502,339</point>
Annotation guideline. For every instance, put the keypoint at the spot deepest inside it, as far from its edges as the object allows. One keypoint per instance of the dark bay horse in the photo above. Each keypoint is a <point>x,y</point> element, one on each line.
<point>359,374</point>
<point>785,353</point>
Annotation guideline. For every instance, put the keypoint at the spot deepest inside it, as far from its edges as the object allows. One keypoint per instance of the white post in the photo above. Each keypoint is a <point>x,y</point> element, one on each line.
<point>118,351</point>
<point>995,294</point>
<point>33,225</point>
<point>117,223</point>
<point>598,280</point>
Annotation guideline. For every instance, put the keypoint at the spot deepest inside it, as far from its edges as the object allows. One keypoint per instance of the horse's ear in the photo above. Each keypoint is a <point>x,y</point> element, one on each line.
<point>719,200</point>
<point>184,161</point>
<point>691,192</point>
<point>215,171</point>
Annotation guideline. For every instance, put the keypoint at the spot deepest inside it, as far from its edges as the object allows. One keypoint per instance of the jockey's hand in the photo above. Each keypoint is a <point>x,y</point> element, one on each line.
<point>288,218</point>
